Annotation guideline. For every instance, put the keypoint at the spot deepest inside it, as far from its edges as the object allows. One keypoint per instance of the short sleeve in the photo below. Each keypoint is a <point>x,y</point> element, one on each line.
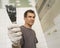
<point>36,41</point>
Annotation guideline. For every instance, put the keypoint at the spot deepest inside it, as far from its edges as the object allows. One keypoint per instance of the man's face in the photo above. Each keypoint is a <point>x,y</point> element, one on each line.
<point>30,18</point>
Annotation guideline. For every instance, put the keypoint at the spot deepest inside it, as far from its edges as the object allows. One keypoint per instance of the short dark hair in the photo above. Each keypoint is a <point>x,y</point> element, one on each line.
<point>30,11</point>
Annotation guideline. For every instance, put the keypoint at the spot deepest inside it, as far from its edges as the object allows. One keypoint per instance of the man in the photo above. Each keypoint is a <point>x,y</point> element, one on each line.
<point>25,36</point>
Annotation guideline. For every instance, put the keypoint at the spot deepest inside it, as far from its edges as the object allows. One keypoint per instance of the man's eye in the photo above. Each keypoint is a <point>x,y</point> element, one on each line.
<point>29,16</point>
<point>34,17</point>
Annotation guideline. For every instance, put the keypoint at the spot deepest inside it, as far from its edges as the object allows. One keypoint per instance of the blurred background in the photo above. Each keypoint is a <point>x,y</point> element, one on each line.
<point>47,24</point>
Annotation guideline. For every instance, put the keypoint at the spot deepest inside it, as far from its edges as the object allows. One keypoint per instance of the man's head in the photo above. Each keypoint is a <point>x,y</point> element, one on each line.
<point>29,17</point>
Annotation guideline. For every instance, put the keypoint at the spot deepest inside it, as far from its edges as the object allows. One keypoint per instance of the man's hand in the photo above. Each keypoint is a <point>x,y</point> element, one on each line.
<point>15,34</point>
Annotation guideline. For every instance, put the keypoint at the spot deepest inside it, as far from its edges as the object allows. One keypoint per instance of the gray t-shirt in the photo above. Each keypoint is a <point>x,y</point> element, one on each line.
<point>29,39</point>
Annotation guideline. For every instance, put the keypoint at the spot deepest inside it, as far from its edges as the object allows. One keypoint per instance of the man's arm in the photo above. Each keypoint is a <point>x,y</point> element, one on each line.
<point>15,34</point>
